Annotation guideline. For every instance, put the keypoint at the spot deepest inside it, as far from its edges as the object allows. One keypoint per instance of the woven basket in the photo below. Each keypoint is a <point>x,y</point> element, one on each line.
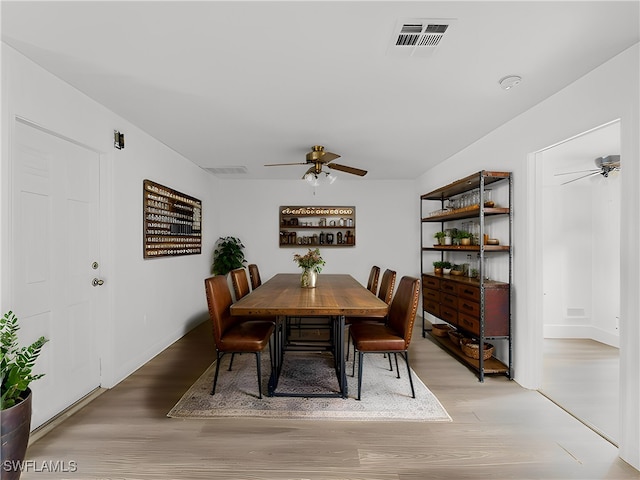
<point>440,329</point>
<point>455,337</point>
<point>471,349</point>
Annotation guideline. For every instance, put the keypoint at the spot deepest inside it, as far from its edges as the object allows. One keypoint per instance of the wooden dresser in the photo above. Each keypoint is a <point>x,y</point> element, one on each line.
<point>456,300</point>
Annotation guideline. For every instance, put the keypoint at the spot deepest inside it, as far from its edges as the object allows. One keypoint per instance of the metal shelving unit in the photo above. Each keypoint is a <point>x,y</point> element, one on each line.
<point>444,216</point>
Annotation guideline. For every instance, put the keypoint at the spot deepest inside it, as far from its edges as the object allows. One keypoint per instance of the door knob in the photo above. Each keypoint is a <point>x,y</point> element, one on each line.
<point>97,282</point>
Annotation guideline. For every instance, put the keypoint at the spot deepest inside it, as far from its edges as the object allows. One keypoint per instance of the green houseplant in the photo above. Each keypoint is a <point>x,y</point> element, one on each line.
<point>228,255</point>
<point>439,266</point>
<point>464,237</point>
<point>440,237</point>
<point>16,371</point>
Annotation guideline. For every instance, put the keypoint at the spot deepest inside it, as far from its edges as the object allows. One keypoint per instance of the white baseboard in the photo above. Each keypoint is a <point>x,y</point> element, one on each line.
<point>581,331</point>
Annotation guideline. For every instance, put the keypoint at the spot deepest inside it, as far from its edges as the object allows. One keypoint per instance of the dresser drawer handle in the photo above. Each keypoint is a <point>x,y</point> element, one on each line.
<point>468,307</point>
<point>469,292</point>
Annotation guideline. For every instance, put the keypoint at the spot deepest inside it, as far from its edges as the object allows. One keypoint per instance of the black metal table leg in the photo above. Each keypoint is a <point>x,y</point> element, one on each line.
<point>278,355</point>
<point>340,354</point>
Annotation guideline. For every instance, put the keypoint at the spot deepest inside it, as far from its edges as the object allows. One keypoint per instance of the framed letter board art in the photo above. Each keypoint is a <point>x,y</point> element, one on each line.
<point>172,222</point>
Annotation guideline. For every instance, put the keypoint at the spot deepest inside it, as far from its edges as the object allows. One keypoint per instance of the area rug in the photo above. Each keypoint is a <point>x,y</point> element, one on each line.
<point>384,397</point>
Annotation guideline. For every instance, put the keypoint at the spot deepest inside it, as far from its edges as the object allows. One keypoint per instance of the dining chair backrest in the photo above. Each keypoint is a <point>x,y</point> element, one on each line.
<point>402,312</point>
<point>254,275</point>
<point>372,284</point>
<point>386,286</point>
<point>219,301</point>
<point>240,282</point>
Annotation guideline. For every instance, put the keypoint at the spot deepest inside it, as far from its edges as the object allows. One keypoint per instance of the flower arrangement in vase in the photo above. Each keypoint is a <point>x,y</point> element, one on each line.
<point>311,264</point>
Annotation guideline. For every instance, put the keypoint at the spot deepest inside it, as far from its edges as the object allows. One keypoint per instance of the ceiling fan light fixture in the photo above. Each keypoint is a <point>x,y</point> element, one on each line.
<point>311,178</point>
<point>331,178</point>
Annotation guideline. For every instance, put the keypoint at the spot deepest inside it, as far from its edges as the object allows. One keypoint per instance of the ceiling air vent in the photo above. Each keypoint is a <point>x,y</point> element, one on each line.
<point>227,170</point>
<point>419,37</point>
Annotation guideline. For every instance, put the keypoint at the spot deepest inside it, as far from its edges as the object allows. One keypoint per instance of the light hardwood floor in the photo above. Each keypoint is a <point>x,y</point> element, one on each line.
<point>499,431</point>
<point>582,376</point>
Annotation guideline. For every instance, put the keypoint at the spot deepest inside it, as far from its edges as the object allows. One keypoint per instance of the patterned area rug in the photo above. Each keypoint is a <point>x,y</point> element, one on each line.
<point>384,397</point>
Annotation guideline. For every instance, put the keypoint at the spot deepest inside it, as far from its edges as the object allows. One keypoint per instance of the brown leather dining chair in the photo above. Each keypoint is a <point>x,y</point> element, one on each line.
<point>239,282</point>
<point>372,284</point>
<point>254,276</point>
<point>386,286</point>
<point>234,334</point>
<point>394,336</point>
<point>385,294</point>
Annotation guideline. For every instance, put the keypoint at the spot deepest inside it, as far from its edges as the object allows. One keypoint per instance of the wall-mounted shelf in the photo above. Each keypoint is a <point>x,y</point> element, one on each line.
<point>318,226</point>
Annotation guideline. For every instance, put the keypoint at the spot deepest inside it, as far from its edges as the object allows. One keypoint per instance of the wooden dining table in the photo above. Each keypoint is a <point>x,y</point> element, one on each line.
<point>335,296</point>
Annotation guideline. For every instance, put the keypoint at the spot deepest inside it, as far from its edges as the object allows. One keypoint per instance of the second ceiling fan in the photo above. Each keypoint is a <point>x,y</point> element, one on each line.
<point>605,165</point>
<point>318,158</point>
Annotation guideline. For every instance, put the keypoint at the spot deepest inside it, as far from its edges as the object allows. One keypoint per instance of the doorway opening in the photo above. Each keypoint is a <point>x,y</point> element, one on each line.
<point>580,235</point>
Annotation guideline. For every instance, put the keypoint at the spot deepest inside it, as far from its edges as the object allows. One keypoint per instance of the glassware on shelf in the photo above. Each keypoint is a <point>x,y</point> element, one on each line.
<point>488,202</point>
<point>486,272</point>
<point>474,265</point>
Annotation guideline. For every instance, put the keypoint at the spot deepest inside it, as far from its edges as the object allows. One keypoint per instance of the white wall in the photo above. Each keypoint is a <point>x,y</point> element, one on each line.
<point>605,94</point>
<point>153,302</point>
<point>581,259</point>
<point>386,223</point>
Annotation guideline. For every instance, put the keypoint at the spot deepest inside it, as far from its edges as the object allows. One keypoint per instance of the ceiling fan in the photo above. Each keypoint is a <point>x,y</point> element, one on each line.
<point>318,158</point>
<point>605,165</point>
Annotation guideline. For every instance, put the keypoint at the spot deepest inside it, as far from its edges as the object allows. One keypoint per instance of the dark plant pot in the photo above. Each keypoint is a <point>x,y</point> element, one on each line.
<point>16,426</point>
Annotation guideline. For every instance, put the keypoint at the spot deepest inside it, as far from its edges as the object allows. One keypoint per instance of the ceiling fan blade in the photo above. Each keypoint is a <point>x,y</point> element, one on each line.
<point>579,171</point>
<point>284,164</point>
<point>579,178</point>
<point>329,157</point>
<point>344,168</point>
<point>321,156</point>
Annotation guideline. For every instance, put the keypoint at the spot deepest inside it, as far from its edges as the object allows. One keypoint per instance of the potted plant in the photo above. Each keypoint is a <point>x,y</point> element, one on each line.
<point>228,255</point>
<point>464,237</point>
<point>440,237</point>
<point>457,269</point>
<point>16,365</point>
<point>448,237</point>
<point>446,267</point>
<point>439,266</point>
<point>454,236</point>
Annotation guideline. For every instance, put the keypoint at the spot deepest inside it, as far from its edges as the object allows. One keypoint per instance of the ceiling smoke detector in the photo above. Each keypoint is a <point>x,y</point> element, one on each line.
<point>510,81</point>
<point>418,37</point>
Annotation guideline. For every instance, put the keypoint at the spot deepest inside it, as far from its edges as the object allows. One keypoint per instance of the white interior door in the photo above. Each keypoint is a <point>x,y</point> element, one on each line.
<point>55,235</point>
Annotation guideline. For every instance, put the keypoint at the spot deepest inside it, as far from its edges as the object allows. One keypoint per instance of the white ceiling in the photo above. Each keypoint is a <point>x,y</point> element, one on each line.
<point>247,83</point>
